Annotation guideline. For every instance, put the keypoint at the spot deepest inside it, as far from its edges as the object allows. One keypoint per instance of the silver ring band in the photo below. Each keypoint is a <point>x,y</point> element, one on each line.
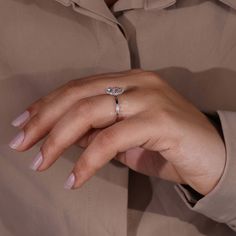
<point>115,91</point>
<point>117,106</point>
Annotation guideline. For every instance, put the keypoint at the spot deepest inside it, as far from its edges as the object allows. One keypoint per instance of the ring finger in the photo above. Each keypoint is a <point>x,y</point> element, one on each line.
<point>42,122</point>
<point>37,105</point>
<point>93,112</point>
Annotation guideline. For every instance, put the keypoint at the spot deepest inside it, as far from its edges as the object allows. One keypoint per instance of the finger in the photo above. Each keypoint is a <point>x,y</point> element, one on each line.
<point>34,108</point>
<point>65,89</point>
<point>37,105</point>
<point>106,145</point>
<point>149,163</point>
<point>90,113</point>
<point>87,138</point>
<point>42,123</point>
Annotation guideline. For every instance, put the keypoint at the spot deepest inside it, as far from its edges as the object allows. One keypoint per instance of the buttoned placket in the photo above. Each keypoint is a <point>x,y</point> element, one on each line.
<point>98,10</point>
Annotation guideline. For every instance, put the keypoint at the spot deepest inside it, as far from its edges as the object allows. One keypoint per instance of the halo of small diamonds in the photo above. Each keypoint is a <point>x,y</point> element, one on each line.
<point>114,91</point>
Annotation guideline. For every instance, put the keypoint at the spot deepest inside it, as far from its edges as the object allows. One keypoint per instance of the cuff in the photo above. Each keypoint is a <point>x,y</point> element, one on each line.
<point>220,203</point>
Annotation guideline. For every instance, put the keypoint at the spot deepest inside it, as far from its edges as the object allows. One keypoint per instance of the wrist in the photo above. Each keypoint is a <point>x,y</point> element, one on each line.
<point>217,166</point>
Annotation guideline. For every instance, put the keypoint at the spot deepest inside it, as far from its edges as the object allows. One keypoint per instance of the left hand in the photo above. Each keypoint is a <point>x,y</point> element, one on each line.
<point>159,133</point>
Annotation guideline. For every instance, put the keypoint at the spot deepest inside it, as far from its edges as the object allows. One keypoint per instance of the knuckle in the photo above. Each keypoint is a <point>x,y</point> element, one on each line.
<point>149,74</point>
<point>35,107</point>
<point>51,145</point>
<point>71,83</point>
<point>106,137</point>
<point>153,77</point>
<point>34,123</point>
<point>158,93</point>
<point>146,77</point>
<point>150,92</point>
<point>151,96</point>
<point>84,107</point>
<point>164,115</point>
<point>81,166</point>
<point>85,167</point>
<point>71,87</point>
<point>45,100</point>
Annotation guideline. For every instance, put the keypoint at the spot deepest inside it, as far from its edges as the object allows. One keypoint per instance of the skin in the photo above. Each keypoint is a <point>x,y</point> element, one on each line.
<point>158,133</point>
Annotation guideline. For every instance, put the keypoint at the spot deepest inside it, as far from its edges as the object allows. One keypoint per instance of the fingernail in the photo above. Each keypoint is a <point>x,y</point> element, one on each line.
<point>37,161</point>
<point>21,119</point>
<point>17,140</point>
<point>70,181</point>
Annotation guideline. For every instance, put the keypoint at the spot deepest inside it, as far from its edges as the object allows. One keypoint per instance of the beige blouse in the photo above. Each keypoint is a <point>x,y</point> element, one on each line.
<point>43,44</point>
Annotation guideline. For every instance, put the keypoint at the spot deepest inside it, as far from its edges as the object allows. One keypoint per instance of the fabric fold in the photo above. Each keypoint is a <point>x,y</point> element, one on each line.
<point>98,9</point>
<point>231,3</point>
<point>95,9</point>
<point>151,4</point>
<point>219,204</point>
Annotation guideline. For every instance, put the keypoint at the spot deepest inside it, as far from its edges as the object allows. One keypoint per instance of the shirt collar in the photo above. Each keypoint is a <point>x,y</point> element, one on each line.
<point>93,8</point>
<point>155,4</point>
<point>98,9</point>
<point>122,5</point>
<point>231,3</point>
<point>131,4</point>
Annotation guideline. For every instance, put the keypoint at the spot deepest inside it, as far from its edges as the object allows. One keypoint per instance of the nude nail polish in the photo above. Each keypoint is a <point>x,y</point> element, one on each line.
<point>17,140</point>
<point>37,161</point>
<point>21,119</point>
<point>70,181</point>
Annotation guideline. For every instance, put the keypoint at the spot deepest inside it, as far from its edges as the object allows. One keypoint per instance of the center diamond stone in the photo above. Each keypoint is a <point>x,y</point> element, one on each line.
<point>115,91</point>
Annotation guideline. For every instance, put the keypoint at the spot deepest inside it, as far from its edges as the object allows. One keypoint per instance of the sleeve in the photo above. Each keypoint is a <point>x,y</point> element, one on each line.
<point>220,203</point>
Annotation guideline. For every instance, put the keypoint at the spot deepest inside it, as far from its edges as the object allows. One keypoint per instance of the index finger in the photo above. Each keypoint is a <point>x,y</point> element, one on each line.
<point>36,106</point>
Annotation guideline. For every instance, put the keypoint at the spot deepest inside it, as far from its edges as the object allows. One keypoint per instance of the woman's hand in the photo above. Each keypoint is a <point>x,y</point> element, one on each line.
<point>159,132</point>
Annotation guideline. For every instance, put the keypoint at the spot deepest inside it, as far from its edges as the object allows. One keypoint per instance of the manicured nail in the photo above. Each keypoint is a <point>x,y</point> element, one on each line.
<point>70,181</point>
<point>21,119</point>
<point>16,142</point>
<point>37,161</point>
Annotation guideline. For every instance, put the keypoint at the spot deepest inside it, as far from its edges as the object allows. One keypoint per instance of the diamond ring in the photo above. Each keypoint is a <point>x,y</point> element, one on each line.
<point>115,91</point>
